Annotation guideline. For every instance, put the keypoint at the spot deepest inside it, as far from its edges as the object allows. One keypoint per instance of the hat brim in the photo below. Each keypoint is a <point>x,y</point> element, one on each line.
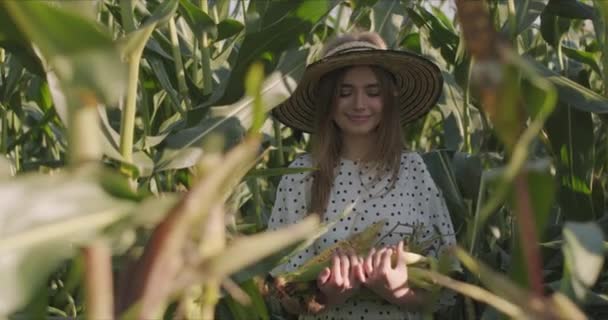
<point>418,84</point>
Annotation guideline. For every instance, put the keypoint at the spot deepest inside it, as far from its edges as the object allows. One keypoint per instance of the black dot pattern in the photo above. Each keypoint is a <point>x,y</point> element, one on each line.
<point>414,201</point>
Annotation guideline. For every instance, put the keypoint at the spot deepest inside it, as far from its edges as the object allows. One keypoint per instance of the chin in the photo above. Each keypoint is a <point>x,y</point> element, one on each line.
<point>359,131</point>
<point>352,129</point>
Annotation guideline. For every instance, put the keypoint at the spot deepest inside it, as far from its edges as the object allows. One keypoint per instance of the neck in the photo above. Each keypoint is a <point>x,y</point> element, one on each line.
<point>357,147</point>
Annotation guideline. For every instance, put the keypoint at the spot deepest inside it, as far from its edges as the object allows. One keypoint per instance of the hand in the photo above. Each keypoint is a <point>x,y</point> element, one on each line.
<point>385,280</point>
<point>342,278</point>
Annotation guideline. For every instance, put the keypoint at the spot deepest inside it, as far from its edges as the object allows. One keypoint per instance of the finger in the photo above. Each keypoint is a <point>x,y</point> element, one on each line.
<point>323,277</point>
<point>353,260</point>
<point>336,269</point>
<point>386,263</point>
<point>378,257</point>
<point>369,261</point>
<point>345,264</point>
<point>360,272</point>
<point>400,255</point>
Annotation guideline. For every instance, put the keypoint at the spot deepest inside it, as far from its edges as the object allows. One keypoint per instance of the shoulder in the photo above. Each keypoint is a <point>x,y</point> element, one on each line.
<point>298,178</point>
<point>411,160</point>
<point>302,161</point>
<point>413,165</point>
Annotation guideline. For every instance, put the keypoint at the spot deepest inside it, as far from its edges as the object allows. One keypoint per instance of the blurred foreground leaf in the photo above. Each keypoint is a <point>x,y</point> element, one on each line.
<point>64,211</point>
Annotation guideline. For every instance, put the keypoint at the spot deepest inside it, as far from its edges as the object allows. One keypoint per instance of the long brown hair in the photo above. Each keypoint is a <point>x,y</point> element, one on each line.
<point>326,140</point>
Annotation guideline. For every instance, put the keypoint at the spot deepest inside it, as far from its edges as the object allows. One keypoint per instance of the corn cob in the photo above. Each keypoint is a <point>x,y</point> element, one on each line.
<point>360,243</point>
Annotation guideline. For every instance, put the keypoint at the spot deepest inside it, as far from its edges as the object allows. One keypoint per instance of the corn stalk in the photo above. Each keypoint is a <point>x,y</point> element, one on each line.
<point>84,146</point>
<point>127,123</point>
<point>501,102</point>
<point>206,55</point>
<point>178,62</point>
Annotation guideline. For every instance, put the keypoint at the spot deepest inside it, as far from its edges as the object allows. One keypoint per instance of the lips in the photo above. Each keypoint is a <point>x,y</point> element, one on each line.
<point>358,118</point>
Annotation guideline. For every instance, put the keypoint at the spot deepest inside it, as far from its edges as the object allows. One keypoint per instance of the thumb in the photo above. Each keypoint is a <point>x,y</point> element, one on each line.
<point>323,276</point>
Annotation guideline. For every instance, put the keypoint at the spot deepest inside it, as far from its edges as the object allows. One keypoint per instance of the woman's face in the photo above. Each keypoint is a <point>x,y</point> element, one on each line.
<point>358,108</point>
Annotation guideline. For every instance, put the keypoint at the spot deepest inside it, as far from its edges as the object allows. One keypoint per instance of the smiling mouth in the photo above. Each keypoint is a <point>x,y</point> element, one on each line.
<point>358,118</point>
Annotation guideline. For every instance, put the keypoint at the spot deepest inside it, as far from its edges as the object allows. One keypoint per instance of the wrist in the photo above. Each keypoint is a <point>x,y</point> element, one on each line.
<point>402,296</point>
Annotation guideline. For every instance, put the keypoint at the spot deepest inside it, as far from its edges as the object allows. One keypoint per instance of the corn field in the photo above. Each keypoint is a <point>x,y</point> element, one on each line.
<point>140,165</point>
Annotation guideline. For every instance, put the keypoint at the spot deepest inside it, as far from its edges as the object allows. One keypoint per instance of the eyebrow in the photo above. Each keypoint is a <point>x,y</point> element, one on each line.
<point>348,85</point>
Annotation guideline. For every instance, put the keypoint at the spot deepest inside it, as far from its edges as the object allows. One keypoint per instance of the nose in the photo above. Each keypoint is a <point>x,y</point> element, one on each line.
<point>359,103</point>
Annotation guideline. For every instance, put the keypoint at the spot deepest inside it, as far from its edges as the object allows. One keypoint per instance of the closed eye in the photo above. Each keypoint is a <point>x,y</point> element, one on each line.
<point>345,91</point>
<point>373,91</point>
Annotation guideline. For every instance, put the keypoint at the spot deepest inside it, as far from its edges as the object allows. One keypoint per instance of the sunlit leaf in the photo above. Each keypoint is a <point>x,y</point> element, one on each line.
<point>584,253</point>
<point>232,120</point>
<point>387,18</point>
<point>441,36</point>
<point>527,12</point>
<point>412,42</point>
<point>588,58</point>
<point>273,40</point>
<point>253,86</point>
<point>573,93</point>
<point>133,44</point>
<point>87,60</point>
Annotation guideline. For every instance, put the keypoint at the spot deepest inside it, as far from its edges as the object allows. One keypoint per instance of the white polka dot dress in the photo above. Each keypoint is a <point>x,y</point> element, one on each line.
<point>413,202</point>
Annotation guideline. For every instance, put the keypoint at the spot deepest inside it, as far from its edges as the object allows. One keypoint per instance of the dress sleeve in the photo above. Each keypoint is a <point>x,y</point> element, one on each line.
<point>438,226</point>
<point>437,223</point>
<point>290,206</point>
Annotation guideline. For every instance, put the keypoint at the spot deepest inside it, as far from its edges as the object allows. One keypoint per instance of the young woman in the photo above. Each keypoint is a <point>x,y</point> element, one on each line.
<point>354,102</point>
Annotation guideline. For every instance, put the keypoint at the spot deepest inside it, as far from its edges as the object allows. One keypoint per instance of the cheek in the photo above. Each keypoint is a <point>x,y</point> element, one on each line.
<point>377,105</point>
<point>340,107</point>
<point>341,103</point>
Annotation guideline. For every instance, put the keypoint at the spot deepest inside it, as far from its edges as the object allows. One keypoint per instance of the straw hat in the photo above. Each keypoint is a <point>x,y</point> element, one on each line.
<point>418,82</point>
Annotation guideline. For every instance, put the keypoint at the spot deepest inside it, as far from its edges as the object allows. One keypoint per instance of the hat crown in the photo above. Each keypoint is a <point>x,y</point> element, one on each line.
<point>350,47</point>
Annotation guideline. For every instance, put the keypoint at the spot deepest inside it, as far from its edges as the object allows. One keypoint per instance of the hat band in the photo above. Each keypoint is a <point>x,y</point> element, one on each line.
<point>351,46</point>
